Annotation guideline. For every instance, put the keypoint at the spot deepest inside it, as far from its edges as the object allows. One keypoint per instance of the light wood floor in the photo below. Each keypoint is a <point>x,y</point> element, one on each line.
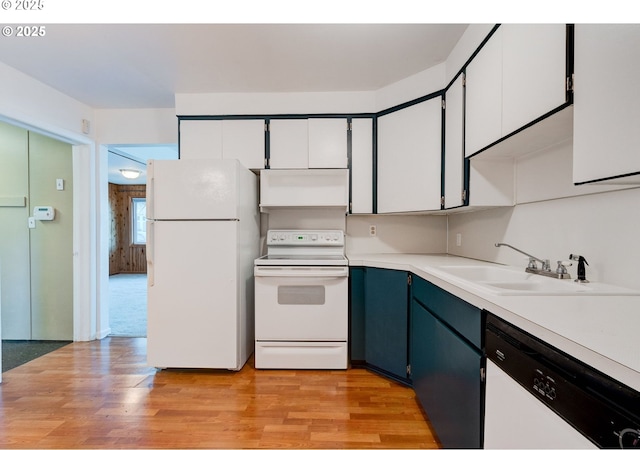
<point>101,394</point>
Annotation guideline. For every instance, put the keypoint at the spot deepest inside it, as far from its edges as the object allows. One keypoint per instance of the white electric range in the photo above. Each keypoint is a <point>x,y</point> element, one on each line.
<point>301,301</point>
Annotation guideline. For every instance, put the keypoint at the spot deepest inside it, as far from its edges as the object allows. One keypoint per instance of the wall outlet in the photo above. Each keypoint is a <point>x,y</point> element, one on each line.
<point>458,239</point>
<point>373,230</point>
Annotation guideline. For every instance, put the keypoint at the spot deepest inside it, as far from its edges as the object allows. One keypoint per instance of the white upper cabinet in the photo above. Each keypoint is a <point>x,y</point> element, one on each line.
<point>200,139</point>
<point>606,136</point>
<point>308,143</point>
<point>483,124</point>
<point>409,158</point>
<point>328,143</point>
<point>533,72</point>
<point>362,166</point>
<point>244,140</point>
<point>454,145</point>
<point>223,139</point>
<point>517,77</point>
<point>288,144</point>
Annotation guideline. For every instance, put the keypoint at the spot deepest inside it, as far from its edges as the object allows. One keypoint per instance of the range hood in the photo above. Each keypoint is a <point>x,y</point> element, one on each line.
<point>304,188</point>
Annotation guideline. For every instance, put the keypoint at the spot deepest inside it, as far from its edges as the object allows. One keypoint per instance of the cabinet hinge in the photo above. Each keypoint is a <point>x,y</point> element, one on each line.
<point>266,162</point>
<point>464,79</point>
<point>408,370</point>
<point>349,126</point>
<point>409,279</point>
<point>444,104</point>
<point>570,82</point>
<point>442,201</point>
<point>483,374</point>
<point>266,126</point>
<point>464,195</point>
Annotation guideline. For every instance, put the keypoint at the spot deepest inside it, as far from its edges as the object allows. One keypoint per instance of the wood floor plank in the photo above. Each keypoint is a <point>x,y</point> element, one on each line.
<point>101,394</point>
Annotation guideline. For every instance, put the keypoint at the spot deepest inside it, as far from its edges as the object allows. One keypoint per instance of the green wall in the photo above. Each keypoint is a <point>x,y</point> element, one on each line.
<point>37,263</point>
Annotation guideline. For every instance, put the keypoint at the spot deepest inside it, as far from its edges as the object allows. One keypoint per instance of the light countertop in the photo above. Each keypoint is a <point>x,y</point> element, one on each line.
<point>600,330</point>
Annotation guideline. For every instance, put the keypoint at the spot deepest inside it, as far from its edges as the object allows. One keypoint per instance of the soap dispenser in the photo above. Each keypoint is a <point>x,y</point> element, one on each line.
<point>582,271</point>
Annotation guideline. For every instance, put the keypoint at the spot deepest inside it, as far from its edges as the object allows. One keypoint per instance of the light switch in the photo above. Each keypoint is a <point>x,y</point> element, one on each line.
<point>32,222</point>
<point>60,184</point>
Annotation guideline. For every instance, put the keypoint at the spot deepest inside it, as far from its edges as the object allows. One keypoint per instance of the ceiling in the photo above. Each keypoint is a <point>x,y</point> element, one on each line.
<point>145,65</point>
<point>135,157</point>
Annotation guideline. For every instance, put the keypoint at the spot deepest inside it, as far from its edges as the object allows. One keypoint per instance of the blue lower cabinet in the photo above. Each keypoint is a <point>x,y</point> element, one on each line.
<point>356,315</point>
<point>395,326</point>
<point>446,374</point>
<point>386,321</point>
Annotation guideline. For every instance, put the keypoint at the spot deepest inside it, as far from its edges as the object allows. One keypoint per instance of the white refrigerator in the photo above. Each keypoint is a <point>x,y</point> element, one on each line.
<point>203,231</point>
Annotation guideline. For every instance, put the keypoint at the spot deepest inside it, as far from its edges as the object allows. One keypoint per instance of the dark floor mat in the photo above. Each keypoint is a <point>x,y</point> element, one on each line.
<point>16,353</point>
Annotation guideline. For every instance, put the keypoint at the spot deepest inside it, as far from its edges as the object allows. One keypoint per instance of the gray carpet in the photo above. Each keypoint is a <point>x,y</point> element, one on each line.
<point>128,305</point>
<point>16,353</point>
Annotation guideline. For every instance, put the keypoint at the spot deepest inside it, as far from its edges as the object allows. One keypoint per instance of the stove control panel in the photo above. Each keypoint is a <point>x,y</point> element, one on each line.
<point>305,238</point>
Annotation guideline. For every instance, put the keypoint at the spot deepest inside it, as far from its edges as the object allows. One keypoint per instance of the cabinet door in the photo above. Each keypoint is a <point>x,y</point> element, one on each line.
<point>483,114</point>
<point>454,145</point>
<point>533,72</point>
<point>446,377</point>
<point>288,144</point>
<point>362,166</point>
<point>409,158</point>
<point>606,137</point>
<point>244,140</point>
<point>386,309</point>
<point>356,314</point>
<point>327,143</point>
<point>200,139</point>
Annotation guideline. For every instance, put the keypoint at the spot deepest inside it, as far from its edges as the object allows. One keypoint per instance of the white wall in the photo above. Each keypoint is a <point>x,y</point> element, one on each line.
<point>275,103</point>
<point>34,105</point>
<point>553,218</point>
<point>397,234</point>
<point>28,103</point>
<point>410,88</point>
<point>136,126</point>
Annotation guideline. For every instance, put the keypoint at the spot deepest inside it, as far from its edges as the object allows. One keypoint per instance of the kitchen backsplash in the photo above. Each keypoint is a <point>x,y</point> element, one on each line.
<point>602,227</point>
<point>396,234</point>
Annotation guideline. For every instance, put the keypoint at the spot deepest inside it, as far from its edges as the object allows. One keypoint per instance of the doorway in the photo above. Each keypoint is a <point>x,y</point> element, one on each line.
<point>127,247</point>
<point>128,304</point>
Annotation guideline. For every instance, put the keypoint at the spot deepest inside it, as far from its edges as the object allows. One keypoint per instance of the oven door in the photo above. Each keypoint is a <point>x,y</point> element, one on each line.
<point>300,303</point>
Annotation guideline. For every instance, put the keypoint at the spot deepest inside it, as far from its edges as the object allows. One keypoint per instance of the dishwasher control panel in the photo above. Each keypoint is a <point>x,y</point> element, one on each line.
<point>544,385</point>
<point>602,409</point>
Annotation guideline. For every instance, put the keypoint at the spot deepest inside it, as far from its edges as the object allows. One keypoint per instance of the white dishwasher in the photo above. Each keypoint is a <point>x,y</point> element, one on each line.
<point>539,397</point>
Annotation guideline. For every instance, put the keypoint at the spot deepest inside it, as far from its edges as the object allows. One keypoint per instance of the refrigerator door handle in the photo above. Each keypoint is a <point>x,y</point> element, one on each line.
<point>151,184</point>
<point>150,252</point>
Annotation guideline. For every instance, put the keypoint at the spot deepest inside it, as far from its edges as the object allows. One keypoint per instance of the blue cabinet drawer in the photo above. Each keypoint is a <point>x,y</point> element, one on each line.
<point>458,314</point>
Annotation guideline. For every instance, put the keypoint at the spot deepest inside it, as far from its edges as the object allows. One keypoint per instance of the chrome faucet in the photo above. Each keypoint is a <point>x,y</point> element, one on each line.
<point>532,267</point>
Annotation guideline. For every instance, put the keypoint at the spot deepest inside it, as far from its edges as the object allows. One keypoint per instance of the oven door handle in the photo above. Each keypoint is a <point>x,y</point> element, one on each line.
<point>301,271</point>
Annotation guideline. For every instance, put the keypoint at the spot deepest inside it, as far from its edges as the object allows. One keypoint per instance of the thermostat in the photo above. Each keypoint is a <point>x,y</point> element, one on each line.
<point>44,212</point>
